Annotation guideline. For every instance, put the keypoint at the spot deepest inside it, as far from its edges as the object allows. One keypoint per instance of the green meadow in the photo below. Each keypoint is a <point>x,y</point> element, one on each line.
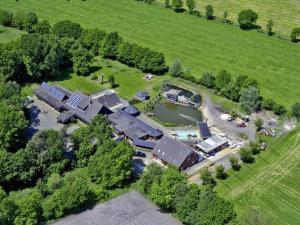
<point>201,45</point>
<point>284,13</point>
<point>271,184</point>
<point>8,34</point>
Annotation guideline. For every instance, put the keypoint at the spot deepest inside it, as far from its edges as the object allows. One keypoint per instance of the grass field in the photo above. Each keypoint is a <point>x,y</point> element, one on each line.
<point>129,80</point>
<point>201,45</point>
<point>271,184</point>
<point>9,34</point>
<point>284,13</point>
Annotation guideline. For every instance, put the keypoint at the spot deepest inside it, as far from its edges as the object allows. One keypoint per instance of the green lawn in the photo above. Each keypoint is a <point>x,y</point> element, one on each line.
<point>271,184</point>
<point>284,13</point>
<point>201,45</point>
<point>129,80</point>
<point>8,34</point>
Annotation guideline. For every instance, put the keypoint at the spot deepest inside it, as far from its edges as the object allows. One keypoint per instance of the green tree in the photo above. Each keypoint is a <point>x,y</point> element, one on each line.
<point>111,166</point>
<point>268,104</point>
<point>209,13</point>
<point>189,203</point>
<point>30,21</point>
<point>74,194</point>
<point>295,34</point>
<point>206,177</point>
<point>247,19</point>
<point>68,29</point>
<point>6,18</point>
<point>208,80</point>
<point>234,163</point>
<point>225,16</point>
<point>212,209</point>
<point>176,69</point>
<point>250,99</point>
<point>191,4</point>
<point>177,4</point>
<point>220,172</point>
<point>7,211</point>
<point>81,58</point>
<point>91,39</point>
<point>269,27</point>
<point>19,20</point>
<point>110,45</point>
<point>41,54</point>
<point>42,27</point>
<point>163,194</point>
<point>296,110</point>
<point>29,208</point>
<point>150,176</point>
<point>111,80</point>
<point>222,80</point>
<point>246,155</point>
<point>259,124</point>
<point>167,3</point>
<point>11,65</point>
<point>279,109</point>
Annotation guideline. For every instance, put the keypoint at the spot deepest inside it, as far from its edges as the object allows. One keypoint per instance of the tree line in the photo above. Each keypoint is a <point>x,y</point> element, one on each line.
<point>192,204</point>
<point>45,51</point>
<point>242,89</point>
<point>42,181</point>
<point>246,18</point>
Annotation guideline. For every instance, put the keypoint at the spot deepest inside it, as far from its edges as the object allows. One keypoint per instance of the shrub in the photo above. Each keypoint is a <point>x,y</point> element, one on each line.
<point>268,104</point>
<point>246,155</point>
<point>295,33</point>
<point>247,19</point>
<point>6,18</point>
<point>234,163</point>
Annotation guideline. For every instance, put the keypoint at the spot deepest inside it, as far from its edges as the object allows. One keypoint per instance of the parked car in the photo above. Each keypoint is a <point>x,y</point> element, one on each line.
<point>140,154</point>
<point>241,125</point>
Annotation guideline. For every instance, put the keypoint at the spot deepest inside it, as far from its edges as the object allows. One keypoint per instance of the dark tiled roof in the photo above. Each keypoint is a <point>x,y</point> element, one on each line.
<point>204,130</point>
<point>142,94</point>
<point>144,144</point>
<point>109,100</point>
<point>123,121</point>
<point>49,99</point>
<point>131,110</point>
<point>171,151</point>
<point>52,91</point>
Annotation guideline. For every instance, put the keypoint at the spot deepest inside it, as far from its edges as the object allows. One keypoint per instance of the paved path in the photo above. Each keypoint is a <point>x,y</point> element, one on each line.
<point>128,209</point>
<point>213,116</point>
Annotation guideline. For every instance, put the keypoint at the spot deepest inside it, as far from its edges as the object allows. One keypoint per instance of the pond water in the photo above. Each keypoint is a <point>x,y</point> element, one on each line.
<point>177,114</point>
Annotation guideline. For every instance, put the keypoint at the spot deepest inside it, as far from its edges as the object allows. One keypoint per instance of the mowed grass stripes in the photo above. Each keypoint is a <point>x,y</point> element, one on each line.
<point>284,13</point>
<point>271,184</point>
<point>201,45</point>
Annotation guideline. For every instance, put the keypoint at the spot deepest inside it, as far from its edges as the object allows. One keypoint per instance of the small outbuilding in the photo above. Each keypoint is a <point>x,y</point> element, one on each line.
<point>172,95</point>
<point>142,95</point>
<point>212,145</point>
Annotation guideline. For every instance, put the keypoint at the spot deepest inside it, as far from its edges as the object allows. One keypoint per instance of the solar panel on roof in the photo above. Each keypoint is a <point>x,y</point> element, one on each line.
<point>51,90</point>
<point>74,100</point>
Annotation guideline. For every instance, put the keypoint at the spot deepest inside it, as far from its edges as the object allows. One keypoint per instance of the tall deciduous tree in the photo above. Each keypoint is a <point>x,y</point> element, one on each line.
<point>250,99</point>
<point>247,19</point>
<point>67,29</point>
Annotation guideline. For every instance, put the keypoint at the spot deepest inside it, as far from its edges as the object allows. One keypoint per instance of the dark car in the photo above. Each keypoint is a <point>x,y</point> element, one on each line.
<point>140,154</point>
<point>241,125</point>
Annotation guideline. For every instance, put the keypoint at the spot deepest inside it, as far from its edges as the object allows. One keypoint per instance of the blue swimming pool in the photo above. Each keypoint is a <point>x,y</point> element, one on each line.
<point>184,134</point>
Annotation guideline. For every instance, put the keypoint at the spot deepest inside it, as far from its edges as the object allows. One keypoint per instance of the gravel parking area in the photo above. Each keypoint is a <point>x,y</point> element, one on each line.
<point>42,117</point>
<point>128,209</point>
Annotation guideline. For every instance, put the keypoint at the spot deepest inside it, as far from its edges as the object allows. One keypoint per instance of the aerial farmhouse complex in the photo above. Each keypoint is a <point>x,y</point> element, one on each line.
<point>126,123</point>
